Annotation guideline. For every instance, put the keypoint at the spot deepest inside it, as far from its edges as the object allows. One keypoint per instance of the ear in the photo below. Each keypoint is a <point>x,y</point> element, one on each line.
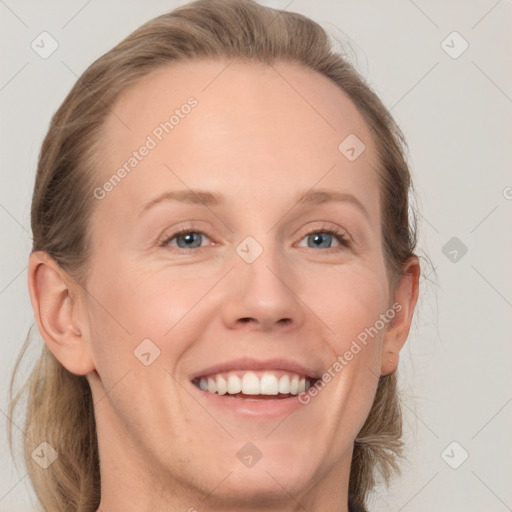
<point>405,297</point>
<point>56,303</point>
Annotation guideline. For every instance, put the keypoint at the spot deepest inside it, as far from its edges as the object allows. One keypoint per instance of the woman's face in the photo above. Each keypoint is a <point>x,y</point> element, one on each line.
<point>254,282</point>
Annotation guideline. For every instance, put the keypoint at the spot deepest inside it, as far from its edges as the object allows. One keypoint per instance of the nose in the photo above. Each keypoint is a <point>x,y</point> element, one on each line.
<point>263,295</point>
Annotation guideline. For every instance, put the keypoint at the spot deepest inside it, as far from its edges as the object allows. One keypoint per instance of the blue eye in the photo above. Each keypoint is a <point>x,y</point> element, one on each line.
<point>186,239</point>
<point>320,240</point>
<point>323,238</point>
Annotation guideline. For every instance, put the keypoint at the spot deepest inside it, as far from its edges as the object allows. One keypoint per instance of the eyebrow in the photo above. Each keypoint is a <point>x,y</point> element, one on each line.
<point>310,197</point>
<point>315,197</point>
<point>184,196</point>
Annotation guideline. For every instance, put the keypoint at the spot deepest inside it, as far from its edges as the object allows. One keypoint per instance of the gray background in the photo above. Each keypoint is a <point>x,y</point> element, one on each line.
<point>456,115</point>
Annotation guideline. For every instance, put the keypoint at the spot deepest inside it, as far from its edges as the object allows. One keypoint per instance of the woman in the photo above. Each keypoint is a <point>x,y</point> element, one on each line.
<point>223,273</point>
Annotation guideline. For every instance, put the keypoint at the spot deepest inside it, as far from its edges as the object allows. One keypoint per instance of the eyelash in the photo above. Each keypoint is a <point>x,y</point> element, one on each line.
<point>336,233</point>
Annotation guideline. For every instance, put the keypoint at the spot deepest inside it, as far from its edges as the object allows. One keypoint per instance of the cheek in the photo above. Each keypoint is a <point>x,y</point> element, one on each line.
<point>349,300</point>
<point>352,304</point>
<point>145,302</point>
<point>130,306</point>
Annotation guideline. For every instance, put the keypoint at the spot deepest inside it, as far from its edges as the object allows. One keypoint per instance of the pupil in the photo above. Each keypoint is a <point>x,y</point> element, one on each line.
<point>188,238</point>
<point>318,239</point>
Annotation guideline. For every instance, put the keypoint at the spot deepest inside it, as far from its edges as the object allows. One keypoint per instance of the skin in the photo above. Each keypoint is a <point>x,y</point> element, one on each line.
<point>259,136</point>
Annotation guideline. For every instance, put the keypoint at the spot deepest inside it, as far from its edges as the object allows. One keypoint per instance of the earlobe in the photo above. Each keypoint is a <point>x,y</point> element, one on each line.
<point>56,311</point>
<point>389,363</point>
<point>405,298</point>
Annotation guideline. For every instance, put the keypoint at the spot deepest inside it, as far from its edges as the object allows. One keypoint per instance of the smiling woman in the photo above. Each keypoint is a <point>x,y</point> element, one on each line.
<point>223,321</point>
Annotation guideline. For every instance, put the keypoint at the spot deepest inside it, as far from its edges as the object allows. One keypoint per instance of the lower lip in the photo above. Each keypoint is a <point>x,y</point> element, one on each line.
<point>263,408</point>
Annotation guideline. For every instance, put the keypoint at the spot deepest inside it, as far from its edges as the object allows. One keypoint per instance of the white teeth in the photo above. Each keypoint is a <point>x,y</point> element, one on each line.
<point>222,386</point>
<point>269,385</point>
<point>234,385</point>
<point>294,385</point>
<point>251,384</point>
<point>212,386</point>
<point>284,384</point>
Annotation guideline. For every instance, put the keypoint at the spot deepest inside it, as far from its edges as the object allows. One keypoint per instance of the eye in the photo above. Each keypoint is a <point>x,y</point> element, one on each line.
<point>323,238</point>
<point>185,239</point>
<point>320,238</point>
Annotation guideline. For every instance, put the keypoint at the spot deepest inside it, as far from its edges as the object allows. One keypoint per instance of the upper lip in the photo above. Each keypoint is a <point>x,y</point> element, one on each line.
<point>247,363</point>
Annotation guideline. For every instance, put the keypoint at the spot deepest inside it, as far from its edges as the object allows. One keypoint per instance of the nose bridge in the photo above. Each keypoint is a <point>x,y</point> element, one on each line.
<point>262,286</point>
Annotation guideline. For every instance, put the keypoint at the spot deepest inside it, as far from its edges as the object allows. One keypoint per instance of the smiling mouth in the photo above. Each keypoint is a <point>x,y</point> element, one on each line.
<point>254,385</point>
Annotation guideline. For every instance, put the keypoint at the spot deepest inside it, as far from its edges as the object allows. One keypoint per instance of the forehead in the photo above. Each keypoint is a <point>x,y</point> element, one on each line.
<point>249,126</point>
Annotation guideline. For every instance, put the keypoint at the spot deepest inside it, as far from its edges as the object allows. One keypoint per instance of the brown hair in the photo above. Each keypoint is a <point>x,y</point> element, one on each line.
<point>60,408</point>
